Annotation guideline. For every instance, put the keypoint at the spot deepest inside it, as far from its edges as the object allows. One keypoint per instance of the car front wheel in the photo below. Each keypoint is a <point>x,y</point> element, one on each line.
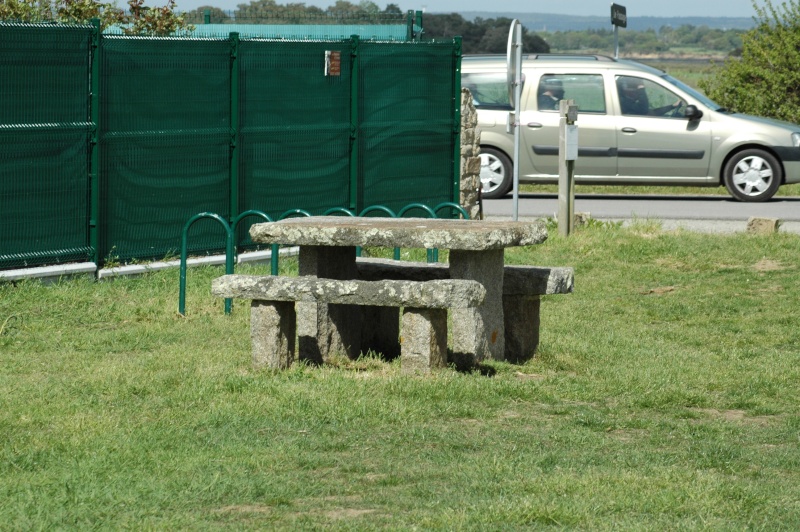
<point>753,175</point>
<point>496,178</point>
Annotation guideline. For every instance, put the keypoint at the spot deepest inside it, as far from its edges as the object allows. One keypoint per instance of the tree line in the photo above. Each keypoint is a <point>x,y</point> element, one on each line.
<point>478,36</point>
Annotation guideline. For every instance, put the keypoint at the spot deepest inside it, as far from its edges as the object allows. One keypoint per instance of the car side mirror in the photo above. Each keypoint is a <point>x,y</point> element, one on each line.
<point>693,113</point>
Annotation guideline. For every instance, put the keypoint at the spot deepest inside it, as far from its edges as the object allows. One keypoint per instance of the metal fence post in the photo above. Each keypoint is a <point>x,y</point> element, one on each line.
<point>354,123</point>
<point>94,148</point>
<point>234,159</point>
<point>457,120</point>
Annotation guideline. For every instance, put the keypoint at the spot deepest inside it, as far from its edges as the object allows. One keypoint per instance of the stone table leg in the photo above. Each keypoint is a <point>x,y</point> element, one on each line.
<point>325,330</point>
<point>478,333</point>
<point>522,326</point>
<point>272,332</point>
<point>424,340</point>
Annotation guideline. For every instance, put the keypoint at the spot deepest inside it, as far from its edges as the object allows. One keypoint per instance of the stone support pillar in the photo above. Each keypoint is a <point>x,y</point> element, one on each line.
<point>479,330</point>
<point>272,333</point>
<point>423,340</point>
<point>325,330</point>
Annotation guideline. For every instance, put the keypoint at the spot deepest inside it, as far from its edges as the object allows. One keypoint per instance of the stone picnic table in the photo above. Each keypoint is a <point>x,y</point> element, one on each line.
<point>327,250</point>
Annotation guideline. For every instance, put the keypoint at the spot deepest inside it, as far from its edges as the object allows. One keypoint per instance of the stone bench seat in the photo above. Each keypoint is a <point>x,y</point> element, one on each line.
<point>523,287</point>
<point>273,324</point>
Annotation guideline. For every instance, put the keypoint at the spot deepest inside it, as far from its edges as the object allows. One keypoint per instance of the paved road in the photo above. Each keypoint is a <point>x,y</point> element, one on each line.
<point>696,212</point>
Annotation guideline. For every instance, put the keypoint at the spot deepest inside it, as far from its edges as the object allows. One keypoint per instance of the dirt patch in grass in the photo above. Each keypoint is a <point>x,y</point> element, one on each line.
<point>767,265</point>
<point>659,290</point>
<point>739,416</point>
<point>347,513</point>
<point>245,509</point>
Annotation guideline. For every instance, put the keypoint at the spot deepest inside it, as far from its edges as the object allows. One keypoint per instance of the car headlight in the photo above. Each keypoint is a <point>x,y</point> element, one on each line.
<point>796,140</point>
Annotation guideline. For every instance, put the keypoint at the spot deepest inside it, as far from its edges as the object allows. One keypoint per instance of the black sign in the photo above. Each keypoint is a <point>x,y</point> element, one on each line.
<point>619,17</point>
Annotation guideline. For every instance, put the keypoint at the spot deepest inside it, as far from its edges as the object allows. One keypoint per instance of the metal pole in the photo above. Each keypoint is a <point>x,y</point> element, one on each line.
<point>456,197</point>
<point>567,153</point>
<point>94,147</point>
<point>514,61</point>
<point>234,117</point>
<point>355,193</point>
<point>517,103</point>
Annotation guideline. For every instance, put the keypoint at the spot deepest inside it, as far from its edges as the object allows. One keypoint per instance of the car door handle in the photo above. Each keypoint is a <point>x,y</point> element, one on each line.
<point>534,125</point>
<point>629,130</point>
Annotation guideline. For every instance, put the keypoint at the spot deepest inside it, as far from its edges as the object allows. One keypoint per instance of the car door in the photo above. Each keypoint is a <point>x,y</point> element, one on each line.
<point>654,139</point>
<point>540,123</point>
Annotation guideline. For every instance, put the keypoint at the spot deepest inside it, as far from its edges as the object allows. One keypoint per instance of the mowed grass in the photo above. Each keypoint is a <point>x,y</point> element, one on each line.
<point>664,396</point>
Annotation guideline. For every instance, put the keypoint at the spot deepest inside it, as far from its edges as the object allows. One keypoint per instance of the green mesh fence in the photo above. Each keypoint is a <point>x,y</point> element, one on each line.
<point>295,127</point>
<point>165,142</point>
<point>406,132</point>
<point>210,125</point>
<point>44,132</point>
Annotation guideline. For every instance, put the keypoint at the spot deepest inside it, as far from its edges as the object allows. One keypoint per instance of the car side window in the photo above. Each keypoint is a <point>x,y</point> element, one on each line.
<point>489,90</point>
<point>586,89</point>
<point>642,97</point>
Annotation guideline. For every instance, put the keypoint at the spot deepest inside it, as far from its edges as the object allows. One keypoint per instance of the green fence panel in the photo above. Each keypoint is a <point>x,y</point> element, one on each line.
<point>44,198</point>
<point>295,126</point>
<point>44,130</point>
<point>165,143</point>
<point>406,131</point>
<point>189,125</point>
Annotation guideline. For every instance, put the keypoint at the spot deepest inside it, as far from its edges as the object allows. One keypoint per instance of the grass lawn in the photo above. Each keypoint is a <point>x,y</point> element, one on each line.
<point>664,395</point>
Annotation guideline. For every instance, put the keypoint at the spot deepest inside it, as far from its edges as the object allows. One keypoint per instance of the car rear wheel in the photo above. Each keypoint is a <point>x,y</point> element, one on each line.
<point>753,175</point>
<point>496,178</point>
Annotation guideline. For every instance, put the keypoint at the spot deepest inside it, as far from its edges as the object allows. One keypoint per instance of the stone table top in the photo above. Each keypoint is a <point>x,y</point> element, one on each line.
<point>467,235</point>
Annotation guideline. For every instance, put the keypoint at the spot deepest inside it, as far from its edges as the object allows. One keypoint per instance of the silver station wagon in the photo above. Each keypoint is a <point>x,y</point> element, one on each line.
<point>636,126</point>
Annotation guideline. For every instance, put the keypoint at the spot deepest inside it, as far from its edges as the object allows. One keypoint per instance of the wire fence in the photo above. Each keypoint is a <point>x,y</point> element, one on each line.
<point>112,142</point>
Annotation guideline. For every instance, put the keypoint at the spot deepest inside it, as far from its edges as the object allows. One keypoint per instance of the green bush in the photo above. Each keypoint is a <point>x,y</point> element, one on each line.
<point>766,80</point>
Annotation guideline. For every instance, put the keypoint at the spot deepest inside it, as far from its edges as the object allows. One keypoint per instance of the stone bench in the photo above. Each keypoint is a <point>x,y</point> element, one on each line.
<point>273,318</point>
<point>523,287</point>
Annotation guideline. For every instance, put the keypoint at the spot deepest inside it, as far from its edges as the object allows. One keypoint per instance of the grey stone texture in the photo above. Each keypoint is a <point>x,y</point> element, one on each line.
<point>517,279</point>
<point>763,225</point>
<point>470,156</point>
<point>468,235</point>
<point>522,322</point>
<point>537,280</point>
<point>323,329</point>
<point>423,340</point>
<point>443,293</point>
<point>522,288</point>
<point>272,333</point>
<point>479,332</point>
<point>330,282</point>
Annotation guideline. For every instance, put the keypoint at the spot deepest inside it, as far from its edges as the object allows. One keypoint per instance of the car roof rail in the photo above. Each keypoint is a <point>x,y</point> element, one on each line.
<point>571,57</point>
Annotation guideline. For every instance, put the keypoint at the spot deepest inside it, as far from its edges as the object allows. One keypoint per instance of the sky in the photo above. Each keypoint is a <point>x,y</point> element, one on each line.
<point>634,8</point>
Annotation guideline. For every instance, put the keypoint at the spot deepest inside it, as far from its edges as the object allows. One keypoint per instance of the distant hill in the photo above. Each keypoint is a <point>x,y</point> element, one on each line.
<point>549,22</point>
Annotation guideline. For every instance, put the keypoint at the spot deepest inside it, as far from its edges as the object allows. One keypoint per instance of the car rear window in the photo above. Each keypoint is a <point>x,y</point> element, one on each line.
<point>489,89</point>
<point>587,90</point>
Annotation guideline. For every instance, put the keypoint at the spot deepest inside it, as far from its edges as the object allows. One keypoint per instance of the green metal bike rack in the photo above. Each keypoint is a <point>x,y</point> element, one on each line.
<point>184,251</point>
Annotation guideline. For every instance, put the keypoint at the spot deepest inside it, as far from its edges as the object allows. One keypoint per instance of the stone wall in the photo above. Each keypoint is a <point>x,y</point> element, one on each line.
<point>470,160</point>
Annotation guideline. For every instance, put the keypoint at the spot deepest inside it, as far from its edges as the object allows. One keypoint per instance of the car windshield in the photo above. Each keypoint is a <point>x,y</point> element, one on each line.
<point>694,93</point>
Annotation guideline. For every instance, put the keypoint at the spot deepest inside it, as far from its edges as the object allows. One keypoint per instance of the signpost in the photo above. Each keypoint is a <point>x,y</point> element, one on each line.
<point>514,63</point>
<point>567,155</point>
<point>619,19</point>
